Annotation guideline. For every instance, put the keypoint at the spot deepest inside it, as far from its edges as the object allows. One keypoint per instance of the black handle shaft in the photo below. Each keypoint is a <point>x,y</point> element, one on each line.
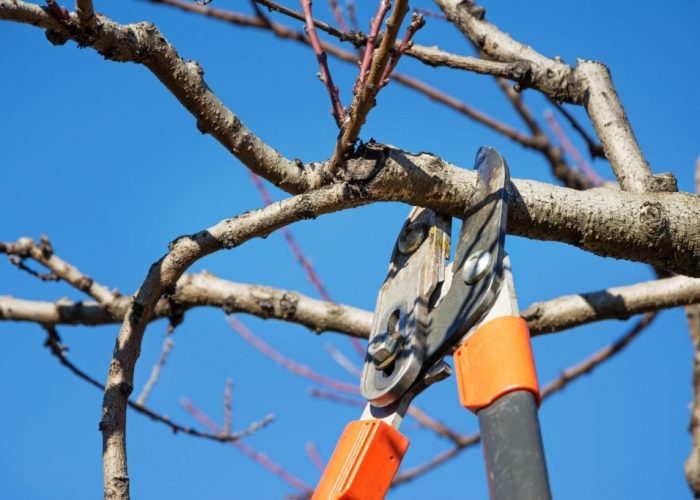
<point>512,444</point>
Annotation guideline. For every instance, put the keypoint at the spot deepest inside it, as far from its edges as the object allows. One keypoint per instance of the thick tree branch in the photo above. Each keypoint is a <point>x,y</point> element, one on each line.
<point>162,279</point>
<point>613,303</point>
<point>143,43</point>
<point>203,289</point>
<point>569,176</point>
<point>588,84</point>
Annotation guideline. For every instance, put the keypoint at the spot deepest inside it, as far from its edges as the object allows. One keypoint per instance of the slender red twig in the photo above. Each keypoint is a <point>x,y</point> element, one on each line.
<point>305,263</point>
<point>374,28</point>
<point>336,398</point>
<point>313,454</point>
<point>594,148</point>
<point>337,109</point>
<point>352,14</point>
<point>417,22</point>
<point>247,450</point>
<point>289,364</point>
<point>431,13</point>
<point>57,348</point>
<point>343,361</point>
<point>338,14</point>
<point>155,372</point>
<point>571,150</point>
<point>228,420</point>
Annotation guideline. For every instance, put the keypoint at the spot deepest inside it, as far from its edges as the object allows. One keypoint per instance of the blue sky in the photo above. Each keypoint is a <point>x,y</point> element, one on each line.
<point>98,156</point>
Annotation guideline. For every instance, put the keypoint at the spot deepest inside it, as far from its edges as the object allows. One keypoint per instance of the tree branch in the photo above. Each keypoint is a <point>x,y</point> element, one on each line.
<point>143,43</point>
<point>613,303</point>
<point>203,289</point>
<point>588,84</point>
<point>325,74</point>
<point>43,254</point>
<point>369,86</point>
<point>162,279</point>
<point>58,349</point>
<point>570,177</point>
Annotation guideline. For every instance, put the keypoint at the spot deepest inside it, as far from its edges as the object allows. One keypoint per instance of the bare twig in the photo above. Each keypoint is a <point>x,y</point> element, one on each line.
<point>314,456</point>
<point>325,75</point>
<point>589,364</point>
<point>355,402</point>
<point>288,363</point>
<point>228,421</point>
<point>375,26</point>
<point>338,14</point>
<point>155,372</point>
<point>589,84</point>
<point>417,22</point>
<point>571,150</point>
<point>343,361</point>
<point>258,457</point>
<point>303,261</point>
<point>539,141</point>
<point>369,86</point>
<point>43,254</point>
<point>352,14</point>
<point>58,349</point>
<point>19,262</point>
<point>553,155</point>
<point>594,148</point>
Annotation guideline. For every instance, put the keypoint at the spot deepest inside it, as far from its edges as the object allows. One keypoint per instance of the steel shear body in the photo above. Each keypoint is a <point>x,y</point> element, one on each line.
<point>426,311</point>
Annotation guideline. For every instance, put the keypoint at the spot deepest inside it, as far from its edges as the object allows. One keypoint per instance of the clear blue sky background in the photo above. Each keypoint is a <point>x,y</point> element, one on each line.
<point>101,158</point>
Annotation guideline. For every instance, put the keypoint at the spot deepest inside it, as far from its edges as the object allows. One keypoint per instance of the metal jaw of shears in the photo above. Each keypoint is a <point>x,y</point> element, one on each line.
<point>424,310</point>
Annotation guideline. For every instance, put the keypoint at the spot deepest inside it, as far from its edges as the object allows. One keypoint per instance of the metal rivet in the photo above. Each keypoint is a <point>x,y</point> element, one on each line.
<point>411,238</point>
<point>384,348</point>
<point>476,267</point>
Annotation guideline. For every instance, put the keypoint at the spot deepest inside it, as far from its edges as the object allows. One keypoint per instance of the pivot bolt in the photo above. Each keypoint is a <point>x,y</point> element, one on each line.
<point>411,237</point>
<point>476,267</point>
<point>384,348</point>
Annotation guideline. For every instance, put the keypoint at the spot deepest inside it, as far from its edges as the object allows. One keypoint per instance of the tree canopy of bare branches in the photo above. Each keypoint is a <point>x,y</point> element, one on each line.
<point>146,200</point>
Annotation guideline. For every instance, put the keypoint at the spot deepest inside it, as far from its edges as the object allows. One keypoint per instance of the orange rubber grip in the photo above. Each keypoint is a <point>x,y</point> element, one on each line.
<point>495,360</point>
<point>364,462</point>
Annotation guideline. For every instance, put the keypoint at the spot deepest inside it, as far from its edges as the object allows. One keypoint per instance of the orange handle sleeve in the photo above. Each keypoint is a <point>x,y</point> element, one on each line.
<point>364,462</point>
<point>495,360</point>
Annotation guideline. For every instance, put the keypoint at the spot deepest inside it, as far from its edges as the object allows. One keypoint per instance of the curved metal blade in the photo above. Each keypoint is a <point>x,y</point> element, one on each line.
<point>480,247</point>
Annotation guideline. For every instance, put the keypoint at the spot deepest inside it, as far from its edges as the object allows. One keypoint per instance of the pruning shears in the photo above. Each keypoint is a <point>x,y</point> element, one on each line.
<point>427,310</point>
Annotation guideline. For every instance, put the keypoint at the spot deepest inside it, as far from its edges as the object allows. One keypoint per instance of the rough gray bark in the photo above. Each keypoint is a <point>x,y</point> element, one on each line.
<point>203,289</point>
<point>620,303</point>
